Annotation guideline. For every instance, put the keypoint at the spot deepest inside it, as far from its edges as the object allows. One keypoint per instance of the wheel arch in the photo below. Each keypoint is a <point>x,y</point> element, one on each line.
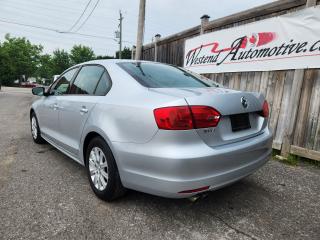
<point>87,139</point>
<point>31,111</point>
<point>88,136</point>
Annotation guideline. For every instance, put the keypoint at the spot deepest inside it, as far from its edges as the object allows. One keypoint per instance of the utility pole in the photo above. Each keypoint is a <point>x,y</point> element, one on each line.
<point>142,10</point>
<point>120,37</point>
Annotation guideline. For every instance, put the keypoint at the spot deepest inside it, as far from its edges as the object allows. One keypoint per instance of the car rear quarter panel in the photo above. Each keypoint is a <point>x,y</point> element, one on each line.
<point>125,114</point>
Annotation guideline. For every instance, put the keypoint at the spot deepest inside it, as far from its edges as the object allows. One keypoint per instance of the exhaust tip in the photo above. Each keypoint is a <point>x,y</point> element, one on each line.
<point>195,190</point>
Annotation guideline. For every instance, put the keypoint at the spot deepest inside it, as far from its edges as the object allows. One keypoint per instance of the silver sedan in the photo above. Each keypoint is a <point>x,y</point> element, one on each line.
<point>152,127</point>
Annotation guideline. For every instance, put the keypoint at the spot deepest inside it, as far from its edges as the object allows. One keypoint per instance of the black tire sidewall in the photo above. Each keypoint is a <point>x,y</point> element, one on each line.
<point>39,139</point>
<point>109,193</point>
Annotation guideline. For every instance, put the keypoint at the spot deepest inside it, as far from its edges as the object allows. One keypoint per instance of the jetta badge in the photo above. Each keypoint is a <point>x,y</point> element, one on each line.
<point>244,102</point>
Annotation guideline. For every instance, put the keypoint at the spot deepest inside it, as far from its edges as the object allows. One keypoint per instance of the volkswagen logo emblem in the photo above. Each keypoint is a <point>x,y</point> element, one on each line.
<point>244,102</point>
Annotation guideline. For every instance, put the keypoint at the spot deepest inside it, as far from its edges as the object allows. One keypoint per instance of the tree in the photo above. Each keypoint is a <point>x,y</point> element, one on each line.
<point>6,69</point>
<point>45,68</point>
<point>104,57</point>
<point>80,54</point>
<point>126,53</point>
<point>18,57</point>
<point>60,61</point>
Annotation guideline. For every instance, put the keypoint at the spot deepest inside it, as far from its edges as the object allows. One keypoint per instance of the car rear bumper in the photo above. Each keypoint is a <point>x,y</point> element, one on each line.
<point>165,166</point>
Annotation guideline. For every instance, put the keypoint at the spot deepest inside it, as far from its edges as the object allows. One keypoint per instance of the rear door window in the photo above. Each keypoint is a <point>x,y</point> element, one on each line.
<point>157,75</point>
<point>63,83</point>
<point>87,80</point>
<point>103,85</point>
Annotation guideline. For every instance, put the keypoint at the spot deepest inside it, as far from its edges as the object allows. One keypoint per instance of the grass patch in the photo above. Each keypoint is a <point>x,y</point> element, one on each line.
<point>275,152</point>
<point>294,160</point>
<point>310,162</point>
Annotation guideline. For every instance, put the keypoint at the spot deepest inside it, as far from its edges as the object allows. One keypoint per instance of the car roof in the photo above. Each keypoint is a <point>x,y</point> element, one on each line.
<point>109,62</point>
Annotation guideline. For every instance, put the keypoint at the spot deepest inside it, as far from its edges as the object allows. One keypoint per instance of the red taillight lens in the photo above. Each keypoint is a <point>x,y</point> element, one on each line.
<point>186,117</point>
<point>174,118</point>
<point>204,116</point>
<point>265,109</point>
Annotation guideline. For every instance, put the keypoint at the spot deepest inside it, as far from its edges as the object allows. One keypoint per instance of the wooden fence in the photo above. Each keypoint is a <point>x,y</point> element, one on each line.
<point>293,95</point>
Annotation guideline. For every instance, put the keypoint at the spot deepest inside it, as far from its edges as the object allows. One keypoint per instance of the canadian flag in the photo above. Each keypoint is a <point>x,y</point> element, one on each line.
<point>259,39</point>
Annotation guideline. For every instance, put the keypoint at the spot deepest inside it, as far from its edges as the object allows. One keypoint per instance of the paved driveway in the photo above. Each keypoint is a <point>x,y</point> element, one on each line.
<point>45,195</point>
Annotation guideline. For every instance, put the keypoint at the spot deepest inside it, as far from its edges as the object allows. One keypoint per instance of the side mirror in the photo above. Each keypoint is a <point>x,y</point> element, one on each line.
<point>39,91</point>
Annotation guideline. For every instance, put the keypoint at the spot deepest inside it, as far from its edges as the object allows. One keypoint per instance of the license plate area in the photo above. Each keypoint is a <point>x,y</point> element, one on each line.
<point>240,122</point>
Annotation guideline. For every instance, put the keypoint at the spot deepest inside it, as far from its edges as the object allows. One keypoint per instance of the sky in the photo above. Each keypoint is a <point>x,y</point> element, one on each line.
<point>165,17</point>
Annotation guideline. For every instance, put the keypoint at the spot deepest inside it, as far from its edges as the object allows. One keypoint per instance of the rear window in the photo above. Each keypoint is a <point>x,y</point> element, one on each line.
<point>157,75</point>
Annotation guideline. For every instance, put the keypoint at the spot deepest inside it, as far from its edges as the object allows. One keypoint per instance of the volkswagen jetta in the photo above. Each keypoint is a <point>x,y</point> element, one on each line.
<point>152,127</point>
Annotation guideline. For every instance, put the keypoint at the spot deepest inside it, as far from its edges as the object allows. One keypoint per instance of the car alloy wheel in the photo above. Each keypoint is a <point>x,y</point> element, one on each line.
<point>34,127</point>
<point>102,170</point>
<point>98,167</point>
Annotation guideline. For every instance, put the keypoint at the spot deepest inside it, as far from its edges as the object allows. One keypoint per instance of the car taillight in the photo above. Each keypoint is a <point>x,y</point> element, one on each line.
<point>186,117</point>
<point>265,109</point>
<point>174,118</point>
<point>205,117</point>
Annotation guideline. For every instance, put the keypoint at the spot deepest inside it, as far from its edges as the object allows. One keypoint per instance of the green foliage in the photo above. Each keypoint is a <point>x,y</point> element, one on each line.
<point>80,53</point>
<point>292,160</point>
<point>45,68</point>
<point>104,57</point>
<point>60,61</point>
<point>126,53</point>
<point>18,57</point>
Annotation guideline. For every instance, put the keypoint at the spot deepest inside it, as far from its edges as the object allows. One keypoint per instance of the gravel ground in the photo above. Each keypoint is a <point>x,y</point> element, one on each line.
<point>46,195</point>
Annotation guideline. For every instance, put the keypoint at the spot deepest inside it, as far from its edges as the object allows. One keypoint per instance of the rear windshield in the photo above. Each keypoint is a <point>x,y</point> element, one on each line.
<point>157,75</point>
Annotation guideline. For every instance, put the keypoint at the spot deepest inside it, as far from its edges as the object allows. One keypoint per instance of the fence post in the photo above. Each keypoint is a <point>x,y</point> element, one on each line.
<point>133,51</point>
<point>156,38</point>
<point>311,3</point>
<point>293,103</point>
<point>204,22</point>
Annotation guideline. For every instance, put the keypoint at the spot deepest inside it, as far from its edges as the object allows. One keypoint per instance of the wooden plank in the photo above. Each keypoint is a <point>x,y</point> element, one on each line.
<point>314,111</point>
<point>226,79</point>
<point>264,83</point>
<point>276,145</point>
<point>250,81</point>
<point>219,78</point>
<point>270,90</point>
<point>243,81</point>
<point>311,3</point>
<point>302,117</point>
<point>257,81</point>
<point>292,110</point>
<point>303,152</point>
<point>237,81</point>
<point>279,77</point>
<point>232,80</point>
<point>284,115</point>
<point>316,145</point>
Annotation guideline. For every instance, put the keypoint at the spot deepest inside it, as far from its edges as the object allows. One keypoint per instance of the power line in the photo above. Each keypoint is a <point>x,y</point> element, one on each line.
<point>57,30</point>
<point>29,25</point>
<point>84,22</point>
<point>84,10</point>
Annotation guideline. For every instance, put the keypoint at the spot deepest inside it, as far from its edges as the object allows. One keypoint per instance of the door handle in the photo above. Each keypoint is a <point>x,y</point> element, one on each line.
<point>83,109</point>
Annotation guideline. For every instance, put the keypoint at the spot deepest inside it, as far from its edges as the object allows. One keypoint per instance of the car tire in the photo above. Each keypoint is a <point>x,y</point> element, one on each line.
<point>35,129</point>
<point>102,171</point>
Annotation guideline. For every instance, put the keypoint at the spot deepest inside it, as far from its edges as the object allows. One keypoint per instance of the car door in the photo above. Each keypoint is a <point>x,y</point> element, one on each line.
<point>76,107</point>
<point>49,110</point>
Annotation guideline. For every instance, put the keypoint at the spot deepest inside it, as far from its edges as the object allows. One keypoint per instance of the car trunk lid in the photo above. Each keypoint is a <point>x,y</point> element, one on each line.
<point>239,111</point>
